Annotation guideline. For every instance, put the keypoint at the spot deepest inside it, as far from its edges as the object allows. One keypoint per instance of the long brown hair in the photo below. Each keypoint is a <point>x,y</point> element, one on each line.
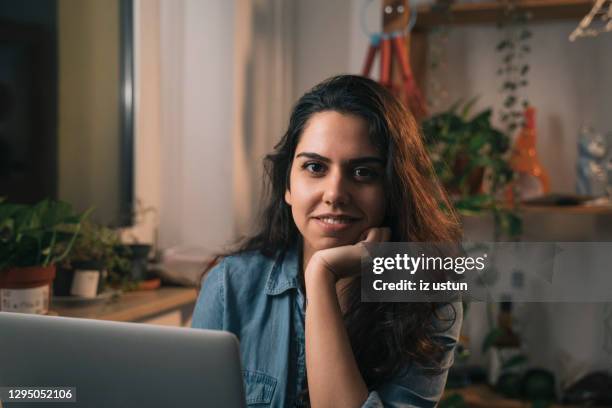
<point>385,337</point>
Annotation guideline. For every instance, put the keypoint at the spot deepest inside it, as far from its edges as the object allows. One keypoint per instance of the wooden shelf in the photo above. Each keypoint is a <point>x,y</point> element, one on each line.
<point>133,306</point>
<point>491,12</point>
<point>562,209</point>
<point>568,209</point>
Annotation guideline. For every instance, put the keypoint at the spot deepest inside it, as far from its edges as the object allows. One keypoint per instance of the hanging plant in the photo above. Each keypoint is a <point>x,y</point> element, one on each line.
<point>514,48</point>
<point>437,93</point>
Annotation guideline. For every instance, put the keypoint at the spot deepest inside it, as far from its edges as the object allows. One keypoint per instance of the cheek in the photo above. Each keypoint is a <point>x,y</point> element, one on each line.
<point>301,197</point>
<point>303,202</point>
<point>374,204</point>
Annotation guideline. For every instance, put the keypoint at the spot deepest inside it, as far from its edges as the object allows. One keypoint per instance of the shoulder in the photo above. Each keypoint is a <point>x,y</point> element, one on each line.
<point>247,260</point>
<point>241,271</point>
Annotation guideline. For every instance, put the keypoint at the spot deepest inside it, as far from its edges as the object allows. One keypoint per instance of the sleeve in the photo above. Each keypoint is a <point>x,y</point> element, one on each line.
<point>415,388</point>
<point>210,306</point>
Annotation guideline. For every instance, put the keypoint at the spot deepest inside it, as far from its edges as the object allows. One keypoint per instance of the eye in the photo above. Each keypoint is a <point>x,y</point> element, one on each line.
<point>314,167</point>
<point>365,173</point>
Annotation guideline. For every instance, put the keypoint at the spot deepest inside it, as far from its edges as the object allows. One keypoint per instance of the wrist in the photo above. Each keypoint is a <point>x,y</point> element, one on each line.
<point>318,273</point>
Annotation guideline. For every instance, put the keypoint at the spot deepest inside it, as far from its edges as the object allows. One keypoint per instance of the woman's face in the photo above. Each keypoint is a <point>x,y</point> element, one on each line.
<point>336,182</point>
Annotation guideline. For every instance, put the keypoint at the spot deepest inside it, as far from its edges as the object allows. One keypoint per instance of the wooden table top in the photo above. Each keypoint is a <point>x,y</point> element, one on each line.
<point>130,306</point>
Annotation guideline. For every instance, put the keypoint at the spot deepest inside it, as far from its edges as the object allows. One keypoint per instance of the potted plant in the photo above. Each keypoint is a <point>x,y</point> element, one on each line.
<point>33,238</point>
<point>91,263</point>
<point>138,255</point>
<point>470,159</point>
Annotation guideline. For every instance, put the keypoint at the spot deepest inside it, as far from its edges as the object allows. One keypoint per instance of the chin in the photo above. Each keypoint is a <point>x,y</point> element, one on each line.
<point>333,242</point>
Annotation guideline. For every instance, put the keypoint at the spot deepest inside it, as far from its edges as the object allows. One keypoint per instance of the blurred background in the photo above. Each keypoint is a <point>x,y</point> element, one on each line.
<point>158,113</point>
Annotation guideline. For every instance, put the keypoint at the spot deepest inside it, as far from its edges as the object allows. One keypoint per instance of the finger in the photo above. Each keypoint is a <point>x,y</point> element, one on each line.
<point>386,234</point>
<point>378,235</point>
<point>371,235</point>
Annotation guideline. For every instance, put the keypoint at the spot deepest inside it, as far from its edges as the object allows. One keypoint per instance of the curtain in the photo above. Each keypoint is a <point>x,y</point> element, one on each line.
<point>264,93</point>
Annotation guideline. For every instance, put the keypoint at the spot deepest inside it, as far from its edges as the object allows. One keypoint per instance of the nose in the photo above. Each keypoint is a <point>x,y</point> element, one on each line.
<point>336,190</point>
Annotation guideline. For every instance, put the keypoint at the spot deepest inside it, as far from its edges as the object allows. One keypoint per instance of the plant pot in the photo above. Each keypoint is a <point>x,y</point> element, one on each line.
<point>26,289</point>
<point>88,279</point>
<point>474,179</point>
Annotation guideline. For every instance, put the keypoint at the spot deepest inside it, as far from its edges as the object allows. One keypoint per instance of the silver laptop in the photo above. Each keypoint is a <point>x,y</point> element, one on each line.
<point>110,364</point>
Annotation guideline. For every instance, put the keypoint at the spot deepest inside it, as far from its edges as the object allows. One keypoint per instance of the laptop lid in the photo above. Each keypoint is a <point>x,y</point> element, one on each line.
<point>111,364</point>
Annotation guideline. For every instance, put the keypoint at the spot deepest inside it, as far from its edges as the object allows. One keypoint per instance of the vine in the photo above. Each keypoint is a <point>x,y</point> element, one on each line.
<point>438,59</point>
<point>514,48</point>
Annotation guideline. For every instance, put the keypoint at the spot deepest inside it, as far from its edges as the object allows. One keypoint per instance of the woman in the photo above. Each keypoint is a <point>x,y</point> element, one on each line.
<point>351,167</point>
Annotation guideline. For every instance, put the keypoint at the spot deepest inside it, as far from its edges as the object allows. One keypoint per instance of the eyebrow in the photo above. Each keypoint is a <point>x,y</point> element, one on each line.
<point>358,160</point>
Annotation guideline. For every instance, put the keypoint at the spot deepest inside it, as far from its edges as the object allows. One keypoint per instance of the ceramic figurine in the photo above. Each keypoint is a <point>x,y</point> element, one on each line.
<point>592,177</point>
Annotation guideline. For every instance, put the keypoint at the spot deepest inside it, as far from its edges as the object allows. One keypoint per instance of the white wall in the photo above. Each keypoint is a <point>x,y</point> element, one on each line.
<point>322,43</point>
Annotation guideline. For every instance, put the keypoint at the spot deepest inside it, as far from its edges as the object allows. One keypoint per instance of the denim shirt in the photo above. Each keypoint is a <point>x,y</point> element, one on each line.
<point>260,300</point>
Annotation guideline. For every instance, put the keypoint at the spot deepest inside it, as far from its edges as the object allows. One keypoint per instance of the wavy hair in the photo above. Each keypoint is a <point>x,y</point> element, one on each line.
<point>384,337</point>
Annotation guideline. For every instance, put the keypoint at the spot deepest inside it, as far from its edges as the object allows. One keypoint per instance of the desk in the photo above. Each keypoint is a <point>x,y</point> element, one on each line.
<point>140,306</point>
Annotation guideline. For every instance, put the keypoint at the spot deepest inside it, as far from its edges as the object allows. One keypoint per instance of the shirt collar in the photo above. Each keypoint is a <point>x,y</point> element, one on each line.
<point>284,274</point>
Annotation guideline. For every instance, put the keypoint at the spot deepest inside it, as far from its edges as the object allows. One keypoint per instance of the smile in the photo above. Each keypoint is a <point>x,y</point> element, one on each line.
<point>330,220</point>
<point>333,224</point>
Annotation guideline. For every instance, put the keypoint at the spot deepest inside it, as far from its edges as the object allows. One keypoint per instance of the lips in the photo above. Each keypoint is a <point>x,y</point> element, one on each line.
<point>334,223</point>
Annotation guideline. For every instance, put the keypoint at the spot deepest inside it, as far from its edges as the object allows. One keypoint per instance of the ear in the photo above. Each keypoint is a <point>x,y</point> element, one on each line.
<point>288,197</point>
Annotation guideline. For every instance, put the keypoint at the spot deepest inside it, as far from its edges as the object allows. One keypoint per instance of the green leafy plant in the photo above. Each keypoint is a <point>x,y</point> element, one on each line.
<point>103,245</point>
<point>98,243</point>
<point>470,159</point>
<point>37,235</point>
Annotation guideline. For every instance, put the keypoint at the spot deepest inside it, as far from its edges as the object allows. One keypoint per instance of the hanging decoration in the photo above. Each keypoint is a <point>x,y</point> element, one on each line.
<point>514,49</point>
<point>436,91</point>
<point>437,57</point>
<point>597,21</point>
<point>391,44</point>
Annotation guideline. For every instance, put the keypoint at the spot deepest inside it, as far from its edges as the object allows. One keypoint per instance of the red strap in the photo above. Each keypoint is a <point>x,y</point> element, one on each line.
<point>413,95</point>
<point>400,50</point>
<point>385,62</point>
<point>369,61</point>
